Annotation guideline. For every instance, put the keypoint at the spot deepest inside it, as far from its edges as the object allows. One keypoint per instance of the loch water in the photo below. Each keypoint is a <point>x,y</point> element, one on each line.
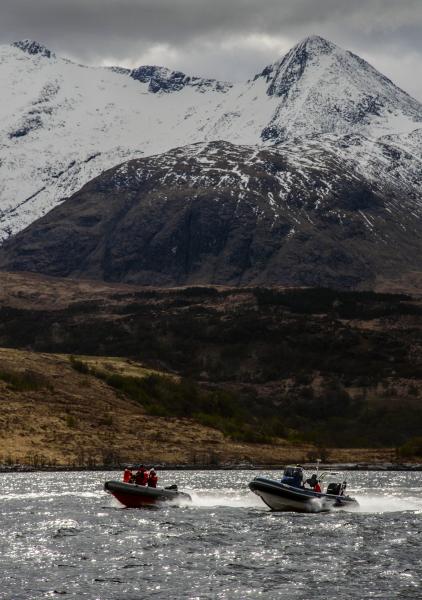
<point>62,536</point>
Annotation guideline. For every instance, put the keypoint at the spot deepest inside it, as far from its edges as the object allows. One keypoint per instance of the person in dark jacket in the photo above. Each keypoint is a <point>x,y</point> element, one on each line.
<point>314,483</point>
<point>152,479</point>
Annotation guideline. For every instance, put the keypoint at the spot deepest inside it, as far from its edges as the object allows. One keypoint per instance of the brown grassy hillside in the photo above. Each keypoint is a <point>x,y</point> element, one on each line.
<point>51,413</point>
<point>338,369</point>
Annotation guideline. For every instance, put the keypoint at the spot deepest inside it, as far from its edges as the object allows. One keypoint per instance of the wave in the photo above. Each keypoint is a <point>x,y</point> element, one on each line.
<point>388,503</point>
<point>47,495</point>
<point>216,498</point>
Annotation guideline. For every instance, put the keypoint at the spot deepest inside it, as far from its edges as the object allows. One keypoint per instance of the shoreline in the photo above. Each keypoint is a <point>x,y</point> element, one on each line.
<point>400,467</point>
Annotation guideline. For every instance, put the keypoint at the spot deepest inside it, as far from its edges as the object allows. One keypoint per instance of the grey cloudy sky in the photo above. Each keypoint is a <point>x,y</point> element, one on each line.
<point>226,39</point>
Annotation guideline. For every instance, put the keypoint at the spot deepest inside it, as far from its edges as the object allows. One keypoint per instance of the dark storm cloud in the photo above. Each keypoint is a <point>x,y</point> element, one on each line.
<point>225,38</point>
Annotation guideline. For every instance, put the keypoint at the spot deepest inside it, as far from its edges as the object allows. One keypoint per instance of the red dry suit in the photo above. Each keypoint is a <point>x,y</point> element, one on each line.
<point>152,479</point>
<point>127,475</point>
<point>141,477</point>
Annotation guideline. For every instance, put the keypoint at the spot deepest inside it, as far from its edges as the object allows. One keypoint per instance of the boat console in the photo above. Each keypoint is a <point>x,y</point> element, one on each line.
<point>293,476</point>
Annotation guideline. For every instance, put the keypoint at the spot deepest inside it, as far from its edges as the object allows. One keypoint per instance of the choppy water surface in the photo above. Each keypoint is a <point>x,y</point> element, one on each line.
<point>61,535</point>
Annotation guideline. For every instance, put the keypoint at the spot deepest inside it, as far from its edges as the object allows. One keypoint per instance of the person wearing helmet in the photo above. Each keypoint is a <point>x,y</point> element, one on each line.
<point>152,479</point>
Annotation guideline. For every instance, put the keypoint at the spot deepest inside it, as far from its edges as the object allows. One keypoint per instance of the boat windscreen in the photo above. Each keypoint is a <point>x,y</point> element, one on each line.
<point>293,476</point>
<point>293,471</point>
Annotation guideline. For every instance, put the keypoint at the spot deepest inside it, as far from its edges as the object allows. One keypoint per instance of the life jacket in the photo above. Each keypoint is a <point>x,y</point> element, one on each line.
<point>127,475</point>
<point>317,487</point>
<point>142,477</point>
<point>152,480</point>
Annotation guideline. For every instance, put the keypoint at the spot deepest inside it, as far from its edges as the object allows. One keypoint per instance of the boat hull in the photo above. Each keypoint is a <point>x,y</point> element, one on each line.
<point>138,496</point>
<point>282,497</point>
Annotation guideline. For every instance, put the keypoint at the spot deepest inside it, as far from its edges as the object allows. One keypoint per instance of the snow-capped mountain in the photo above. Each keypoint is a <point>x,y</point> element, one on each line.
<point>324,89</point>
<point>61,124</point>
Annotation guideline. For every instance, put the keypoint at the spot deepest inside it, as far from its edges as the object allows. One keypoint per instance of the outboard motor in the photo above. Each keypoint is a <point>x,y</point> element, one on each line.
<point>334,489</point>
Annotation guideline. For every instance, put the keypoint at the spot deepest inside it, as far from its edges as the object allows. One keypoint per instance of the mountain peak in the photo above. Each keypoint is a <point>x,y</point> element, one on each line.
<point>323,88</point>
<point>33,47</point>
<point>282,74</point>
<point>315,43</point>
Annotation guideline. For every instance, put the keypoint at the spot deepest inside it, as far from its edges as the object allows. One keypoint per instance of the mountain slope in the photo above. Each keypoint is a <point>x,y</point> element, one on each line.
<point>62,124</point>
<point>310,213</point>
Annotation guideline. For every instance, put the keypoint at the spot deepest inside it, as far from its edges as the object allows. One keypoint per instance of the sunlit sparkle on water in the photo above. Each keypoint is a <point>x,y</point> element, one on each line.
<point>62,536</point>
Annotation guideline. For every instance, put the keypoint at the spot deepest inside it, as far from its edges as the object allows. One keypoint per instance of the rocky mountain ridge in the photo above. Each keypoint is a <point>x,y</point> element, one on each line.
<point>160,79</point>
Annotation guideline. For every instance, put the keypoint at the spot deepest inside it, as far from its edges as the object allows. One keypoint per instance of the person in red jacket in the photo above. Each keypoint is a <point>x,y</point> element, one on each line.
<point>127,475</point>
<point>152,479</point>
<point>141,477</point>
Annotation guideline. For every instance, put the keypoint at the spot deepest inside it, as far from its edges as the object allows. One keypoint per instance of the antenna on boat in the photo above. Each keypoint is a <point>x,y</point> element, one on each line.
<point>318,460</point>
